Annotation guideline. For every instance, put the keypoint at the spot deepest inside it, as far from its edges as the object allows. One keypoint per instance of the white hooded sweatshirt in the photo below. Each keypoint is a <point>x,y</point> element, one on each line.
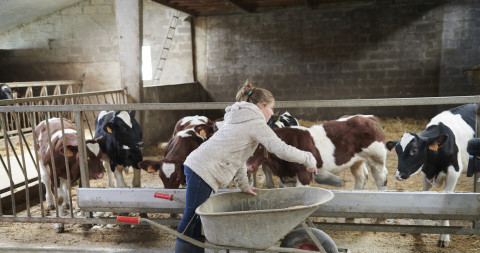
<point>222,157</point>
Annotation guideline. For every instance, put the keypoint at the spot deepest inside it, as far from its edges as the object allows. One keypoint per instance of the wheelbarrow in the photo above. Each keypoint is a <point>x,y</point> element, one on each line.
<point>239,221</point>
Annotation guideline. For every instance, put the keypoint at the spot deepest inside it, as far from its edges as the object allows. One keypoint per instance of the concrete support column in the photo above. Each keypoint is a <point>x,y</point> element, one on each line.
<point>129,25</point>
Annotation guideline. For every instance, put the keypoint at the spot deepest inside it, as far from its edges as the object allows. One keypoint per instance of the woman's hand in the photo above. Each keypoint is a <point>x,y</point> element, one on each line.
<point>251,191</point>
<point>313,170</point>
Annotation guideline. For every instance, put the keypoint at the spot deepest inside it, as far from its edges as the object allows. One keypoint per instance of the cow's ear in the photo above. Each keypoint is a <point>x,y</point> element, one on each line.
<point>436,142</point>
<point>132,113</point>
<point>109,127</point>
<point>70,150</point>
<point>391,144</point>
<point>200,129</point>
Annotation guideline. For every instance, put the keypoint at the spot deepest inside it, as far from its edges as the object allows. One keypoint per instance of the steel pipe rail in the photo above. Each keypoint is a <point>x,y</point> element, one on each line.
<point>345,204</point>
<point>58,97</point>
<point>44,83</point>
<point>222,105</point>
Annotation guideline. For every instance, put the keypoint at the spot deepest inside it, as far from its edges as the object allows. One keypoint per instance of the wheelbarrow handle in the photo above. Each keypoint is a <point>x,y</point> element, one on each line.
<point>127,219</point>
<point>163,196</point>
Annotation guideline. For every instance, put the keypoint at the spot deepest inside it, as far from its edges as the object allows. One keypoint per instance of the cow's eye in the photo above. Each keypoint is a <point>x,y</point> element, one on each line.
<point>413,151</point>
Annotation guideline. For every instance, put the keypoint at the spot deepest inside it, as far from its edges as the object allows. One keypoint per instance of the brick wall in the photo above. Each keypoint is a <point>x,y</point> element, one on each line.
<point>372,51</point>
<point>460,50</point>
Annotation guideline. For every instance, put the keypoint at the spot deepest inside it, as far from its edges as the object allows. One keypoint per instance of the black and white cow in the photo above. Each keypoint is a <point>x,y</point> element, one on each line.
<point>5,91</point>
<point>121,145</point>
<point>440,151</point>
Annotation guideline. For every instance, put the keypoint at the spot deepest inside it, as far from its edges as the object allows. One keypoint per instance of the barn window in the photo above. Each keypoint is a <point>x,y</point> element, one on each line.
<point>146,63</point>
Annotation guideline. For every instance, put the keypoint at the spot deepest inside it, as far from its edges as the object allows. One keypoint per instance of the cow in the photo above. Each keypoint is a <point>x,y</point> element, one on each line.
<point>185,140</point>
<point>439,152</point>
<point>60,149</point>
<point>121,145</point>
<point>190,122</point>
<point>5,91</point>
<point>284,120</point>
<point>275,121</point>
<point>347,143</point>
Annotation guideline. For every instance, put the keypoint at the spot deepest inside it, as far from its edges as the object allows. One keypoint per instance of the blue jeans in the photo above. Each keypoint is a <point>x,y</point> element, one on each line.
<point>197,192</point>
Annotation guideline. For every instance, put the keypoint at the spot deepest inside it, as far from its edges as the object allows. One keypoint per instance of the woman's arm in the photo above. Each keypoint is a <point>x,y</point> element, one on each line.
<point>267,137</point>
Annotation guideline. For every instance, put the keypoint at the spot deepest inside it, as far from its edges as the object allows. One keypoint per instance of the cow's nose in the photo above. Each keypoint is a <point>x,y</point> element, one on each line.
<point>399,176</point>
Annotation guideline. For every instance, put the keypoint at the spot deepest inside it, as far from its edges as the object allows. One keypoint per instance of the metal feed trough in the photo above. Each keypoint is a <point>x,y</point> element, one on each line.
<point>345,204</point>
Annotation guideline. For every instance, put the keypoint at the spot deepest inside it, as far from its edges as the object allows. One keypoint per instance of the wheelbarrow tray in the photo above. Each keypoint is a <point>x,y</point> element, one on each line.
<point>242,220</point>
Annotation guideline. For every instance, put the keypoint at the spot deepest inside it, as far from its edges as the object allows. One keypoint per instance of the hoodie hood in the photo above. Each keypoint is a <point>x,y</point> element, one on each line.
<point>241,112</point>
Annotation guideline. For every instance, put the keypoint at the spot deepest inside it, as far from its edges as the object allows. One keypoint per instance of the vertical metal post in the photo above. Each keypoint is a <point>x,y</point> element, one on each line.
<point>81,150</point>
<point>24,169</point>
<point>9,169</point>
<point>33,124</point>
<point>476,176</point>
<point>67,166</point>
<point>54,167</point>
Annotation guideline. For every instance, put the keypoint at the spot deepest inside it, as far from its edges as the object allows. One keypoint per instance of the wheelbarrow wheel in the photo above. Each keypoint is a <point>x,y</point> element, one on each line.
<point>299,239</point>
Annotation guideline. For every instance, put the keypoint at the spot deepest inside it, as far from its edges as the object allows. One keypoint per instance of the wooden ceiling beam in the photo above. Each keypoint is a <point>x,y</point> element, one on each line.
<point>176,7</point>
<point>239,4</point>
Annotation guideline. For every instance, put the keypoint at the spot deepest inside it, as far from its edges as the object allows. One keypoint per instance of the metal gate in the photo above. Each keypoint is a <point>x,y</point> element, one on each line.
<point>363,206</point>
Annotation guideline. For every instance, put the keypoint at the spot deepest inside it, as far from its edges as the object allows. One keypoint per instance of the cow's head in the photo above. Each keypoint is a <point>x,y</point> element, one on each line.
<point>284,120</point>
<point>126,129</point>
<point>94,153</point>
<point>5,91</point>
<point>170,171</point>
<point>204,131</point>
<point>257,158</point>
<point>414,151</point>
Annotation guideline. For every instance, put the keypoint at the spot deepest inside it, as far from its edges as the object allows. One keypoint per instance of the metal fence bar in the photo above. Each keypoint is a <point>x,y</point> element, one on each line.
<point>278,104</point>
<point>56,97</point>
<point>23,167</point>
<point>53,168</point>
<point>33,123</point>
<point>67,167</point>
<point>8,168</point>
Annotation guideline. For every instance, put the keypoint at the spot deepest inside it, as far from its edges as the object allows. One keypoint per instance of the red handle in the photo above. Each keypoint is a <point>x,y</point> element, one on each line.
<point>128,219</point>
<point>163,196</point>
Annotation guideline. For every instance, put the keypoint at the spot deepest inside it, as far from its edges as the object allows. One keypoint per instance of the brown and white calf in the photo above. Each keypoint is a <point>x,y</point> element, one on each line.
<point>347,143</point>
<point>189,122</point>
<point>60,150</point>
<point>178,148</point>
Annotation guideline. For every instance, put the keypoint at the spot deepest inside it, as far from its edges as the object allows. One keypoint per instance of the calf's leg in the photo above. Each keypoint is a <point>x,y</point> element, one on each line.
<point>118,175</point>
<point>359,172</point>
<point>268,176</point>
<point>45,173</point>
<point>136,178</point>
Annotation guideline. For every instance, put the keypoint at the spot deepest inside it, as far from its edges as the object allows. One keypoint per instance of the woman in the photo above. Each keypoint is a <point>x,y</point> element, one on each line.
<point>222,157</point>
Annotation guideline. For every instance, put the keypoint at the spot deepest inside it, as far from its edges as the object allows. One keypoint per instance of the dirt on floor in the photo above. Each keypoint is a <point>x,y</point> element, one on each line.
<point>131,237</point>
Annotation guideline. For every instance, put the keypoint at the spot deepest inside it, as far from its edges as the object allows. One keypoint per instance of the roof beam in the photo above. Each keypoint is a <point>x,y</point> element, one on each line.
<point>176,7</point>
<point>243,6</point>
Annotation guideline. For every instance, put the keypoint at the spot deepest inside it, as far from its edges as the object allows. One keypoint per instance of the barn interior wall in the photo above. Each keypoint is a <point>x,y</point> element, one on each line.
<point>84,39</point>
<point>158,125</point>
<point>64,45</point>
<point>369,51</point>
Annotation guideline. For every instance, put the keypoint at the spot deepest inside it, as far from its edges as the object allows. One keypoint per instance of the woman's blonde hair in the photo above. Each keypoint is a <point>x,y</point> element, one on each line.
<point>254,95</point>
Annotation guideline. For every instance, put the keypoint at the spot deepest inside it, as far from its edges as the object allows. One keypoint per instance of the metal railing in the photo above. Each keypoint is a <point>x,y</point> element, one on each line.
<point>46,88</point>
<point>81,112</point>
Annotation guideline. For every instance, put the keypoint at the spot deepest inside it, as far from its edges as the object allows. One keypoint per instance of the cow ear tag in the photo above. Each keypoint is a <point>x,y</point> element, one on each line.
<point>203,133</point>
<point>109,130</point>
<point>69,152</point>
<point>434,146</point>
